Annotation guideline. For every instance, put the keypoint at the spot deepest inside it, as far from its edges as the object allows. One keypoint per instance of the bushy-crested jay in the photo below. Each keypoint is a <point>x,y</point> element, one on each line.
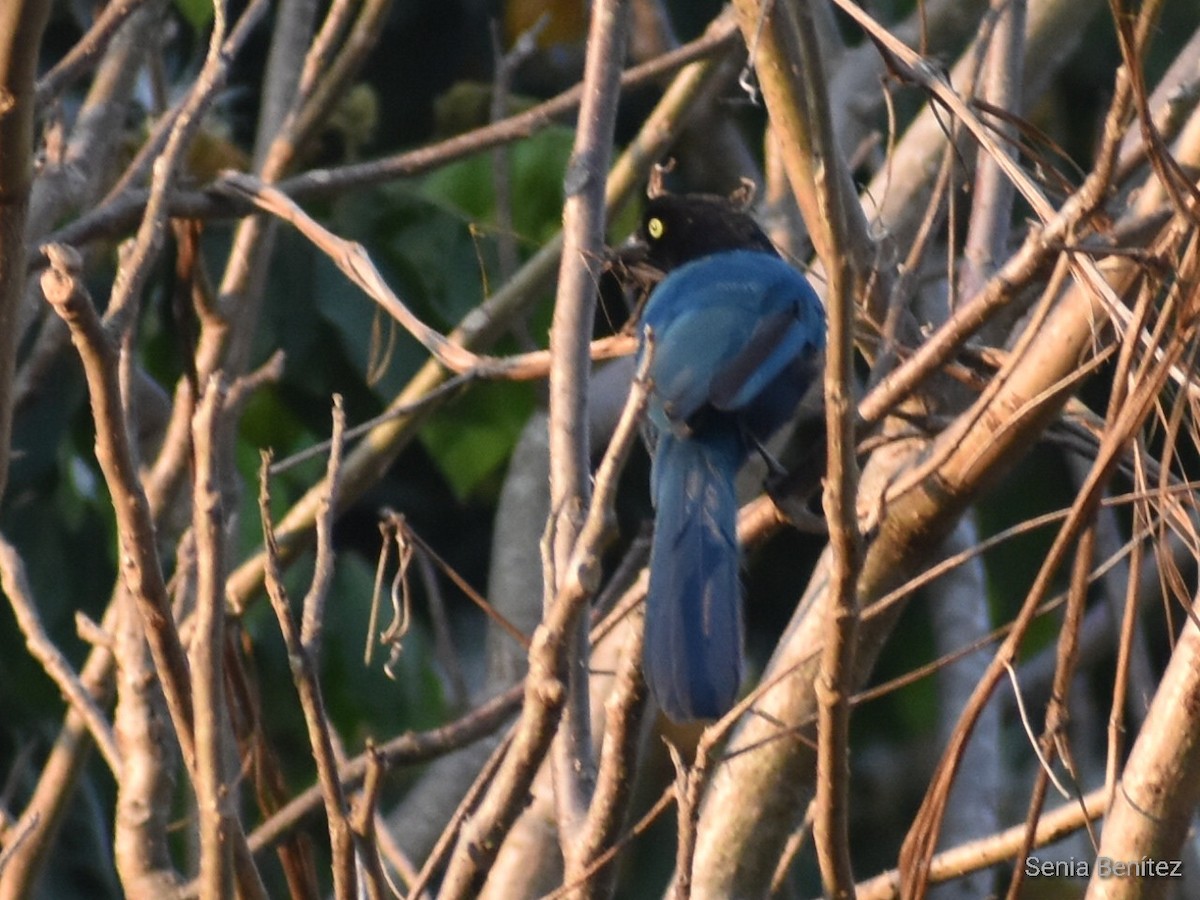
<point>737,336</point>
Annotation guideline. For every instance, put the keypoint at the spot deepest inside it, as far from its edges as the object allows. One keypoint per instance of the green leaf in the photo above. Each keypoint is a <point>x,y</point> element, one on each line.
<point>198,13</point>
<point>427,254</point>
<point>536,168</point>
<point>473,437</point>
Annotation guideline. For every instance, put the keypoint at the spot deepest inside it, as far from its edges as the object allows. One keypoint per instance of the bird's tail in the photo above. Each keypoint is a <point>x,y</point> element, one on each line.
<point>693,655</point>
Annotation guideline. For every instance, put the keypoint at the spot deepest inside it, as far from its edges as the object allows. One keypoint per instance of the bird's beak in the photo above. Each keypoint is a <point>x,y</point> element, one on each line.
<point>633,251</point>
<point>629,261</point>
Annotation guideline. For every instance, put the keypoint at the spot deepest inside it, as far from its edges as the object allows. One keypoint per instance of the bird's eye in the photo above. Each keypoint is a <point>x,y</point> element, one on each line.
<point>655,228</point>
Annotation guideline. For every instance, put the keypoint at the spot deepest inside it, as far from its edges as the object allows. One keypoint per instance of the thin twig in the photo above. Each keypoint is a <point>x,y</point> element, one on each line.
<point>987,851</point>
<point>451,834</point>
<point>141,567</point>
<point>362,823</point>
<point>446,652</point>
<point>544,689</point>
<point>353,260</point>
<point>313,616</point>
<point>991,209</point>
<point>689,785</point>
<point>615,774</point>
<point>406,532</point>
<point>504,70</point>
<point>135,268</point>
<point>848,256</point>
<point>411,748</point>
<point>15,584</point>
<point>1033,741</point>
<point>785,50</point>
<point>86,50</point>
<point>309,689</point>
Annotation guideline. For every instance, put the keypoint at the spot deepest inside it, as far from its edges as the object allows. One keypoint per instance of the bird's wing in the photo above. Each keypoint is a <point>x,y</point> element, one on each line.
<point>778,340</point>
<point>725,328</point>
<point>689,349</point>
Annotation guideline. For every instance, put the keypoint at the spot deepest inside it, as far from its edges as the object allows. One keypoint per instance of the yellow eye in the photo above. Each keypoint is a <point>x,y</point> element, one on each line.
<point>655,228</point>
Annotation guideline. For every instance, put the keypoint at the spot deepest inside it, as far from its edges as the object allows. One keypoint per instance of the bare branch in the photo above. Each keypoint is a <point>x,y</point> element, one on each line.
<point>140,564</point>
<point>544,689</point>
<point>407,749</point>
<point>1157,794</point>
<point>135,268</point>
<point>16,587</point>
<point>848,267</point>
<point>584,218</point>
<point>987,851</point>
<point>86,50</point>
<point>305,675</point>
<point>213,796</point>
<point>21,25</point>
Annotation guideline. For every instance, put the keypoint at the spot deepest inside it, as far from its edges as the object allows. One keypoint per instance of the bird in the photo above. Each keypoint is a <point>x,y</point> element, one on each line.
<point>736,335</point>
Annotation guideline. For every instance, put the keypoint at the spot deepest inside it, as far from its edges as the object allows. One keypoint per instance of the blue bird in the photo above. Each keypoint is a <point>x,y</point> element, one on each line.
<point>737,336</point>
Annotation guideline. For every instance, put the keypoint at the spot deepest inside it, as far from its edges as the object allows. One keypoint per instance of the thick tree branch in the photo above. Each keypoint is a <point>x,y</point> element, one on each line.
<point>21,25</point>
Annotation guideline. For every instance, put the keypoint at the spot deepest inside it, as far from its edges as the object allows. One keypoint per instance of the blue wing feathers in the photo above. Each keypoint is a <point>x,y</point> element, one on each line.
<point>774,346</point>
<point>727,326</point>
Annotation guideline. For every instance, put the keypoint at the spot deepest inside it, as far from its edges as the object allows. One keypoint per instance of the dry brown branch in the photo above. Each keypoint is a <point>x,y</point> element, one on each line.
<point>988,851</point>
<point>783,47</point>
<point>140,565</point>
<point>85,52</point>
<point>932,79</point>
<point>614,775</point>
<point>78,172</point>
<point>689,786</point>
<point>16,587</point>
<point>325,81</point>
<point>362,822</point>
<point>1053,739</point>
<point>848,284</point>
<point>304,665</point>
<point>294,112</point>
<point>584,219</point>
<point>314,601</point>
<point>148,756</point>
<point>447,654</point>
<point>21,25</point>
<point>1126,421</point>
<point>406,749</point>
<point>353,260</point>
<point>135,268</point>
<point>405,534</point>
<point>1156,796</point>
<point>991,209</point>
<point>213,797</point>
<point>544,687</point>
<point>610,790</point>
<point>450,835</point>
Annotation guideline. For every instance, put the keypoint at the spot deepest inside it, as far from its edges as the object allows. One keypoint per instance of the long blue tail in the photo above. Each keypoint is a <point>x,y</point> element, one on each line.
<point>693,655</point>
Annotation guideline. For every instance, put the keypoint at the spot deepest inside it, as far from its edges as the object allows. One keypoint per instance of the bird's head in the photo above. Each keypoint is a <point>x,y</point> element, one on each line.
<point>678,228</point>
